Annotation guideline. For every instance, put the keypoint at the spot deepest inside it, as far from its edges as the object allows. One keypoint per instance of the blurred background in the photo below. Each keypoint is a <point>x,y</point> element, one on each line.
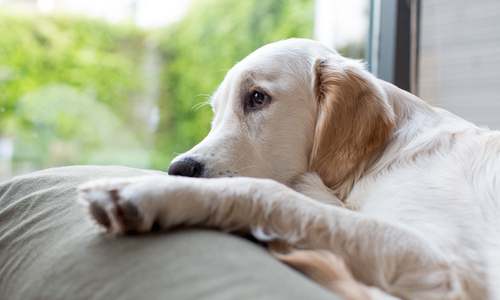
<point>120,82</point>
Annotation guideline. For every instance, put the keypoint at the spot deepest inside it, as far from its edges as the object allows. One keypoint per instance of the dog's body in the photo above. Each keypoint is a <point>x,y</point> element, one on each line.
<point>407,195</point>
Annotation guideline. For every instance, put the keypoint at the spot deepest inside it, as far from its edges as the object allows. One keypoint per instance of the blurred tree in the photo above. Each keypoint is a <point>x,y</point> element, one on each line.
<point>88,54</point>
<point>71,87</point>
<point>101,62</point>
<point>200,49</point>
<point>68,127</point>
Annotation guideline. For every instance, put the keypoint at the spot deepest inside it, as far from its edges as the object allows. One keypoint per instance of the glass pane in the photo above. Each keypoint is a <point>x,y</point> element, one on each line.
<point>459,58</point>
<point>120,82</point>
<point>343,25</point>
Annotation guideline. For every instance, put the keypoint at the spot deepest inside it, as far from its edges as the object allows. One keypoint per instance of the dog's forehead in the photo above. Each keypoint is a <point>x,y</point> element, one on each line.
<point>292,58</point>
<point>287,56</point>
<point>274,56</point>
<point>290,51</point>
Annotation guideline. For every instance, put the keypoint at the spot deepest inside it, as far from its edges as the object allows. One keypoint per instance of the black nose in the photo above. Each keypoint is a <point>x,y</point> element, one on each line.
<point>187,167</point>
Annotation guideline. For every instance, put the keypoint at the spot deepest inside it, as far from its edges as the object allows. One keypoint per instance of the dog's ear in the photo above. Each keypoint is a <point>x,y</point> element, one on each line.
<point>355,119</point>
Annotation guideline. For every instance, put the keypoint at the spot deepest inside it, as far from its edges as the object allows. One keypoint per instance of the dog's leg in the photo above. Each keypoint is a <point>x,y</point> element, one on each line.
<point>392,257</point>
<point>329,270</point>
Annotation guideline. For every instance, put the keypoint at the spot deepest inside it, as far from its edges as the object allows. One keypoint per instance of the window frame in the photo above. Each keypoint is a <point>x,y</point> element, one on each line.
<point>392,52</point>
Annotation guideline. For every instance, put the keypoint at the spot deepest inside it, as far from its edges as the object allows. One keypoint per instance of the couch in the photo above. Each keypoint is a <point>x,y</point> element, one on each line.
<point>49,249</point>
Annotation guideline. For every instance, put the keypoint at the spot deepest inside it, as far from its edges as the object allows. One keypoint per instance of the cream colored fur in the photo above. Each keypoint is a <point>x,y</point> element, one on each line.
<point>365,178</point>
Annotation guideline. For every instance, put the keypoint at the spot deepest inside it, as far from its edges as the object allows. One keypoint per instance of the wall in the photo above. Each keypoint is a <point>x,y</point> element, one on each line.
<point>460,58</point>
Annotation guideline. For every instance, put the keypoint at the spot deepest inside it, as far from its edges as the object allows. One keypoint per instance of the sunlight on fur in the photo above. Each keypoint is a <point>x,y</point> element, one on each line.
<point>374,193</point>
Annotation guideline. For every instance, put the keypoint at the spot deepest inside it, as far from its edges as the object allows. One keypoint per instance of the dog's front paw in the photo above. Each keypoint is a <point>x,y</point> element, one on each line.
<point>118,205</point>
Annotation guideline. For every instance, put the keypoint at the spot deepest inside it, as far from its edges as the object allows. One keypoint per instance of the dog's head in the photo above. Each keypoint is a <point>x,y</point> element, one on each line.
<point>290,108</point>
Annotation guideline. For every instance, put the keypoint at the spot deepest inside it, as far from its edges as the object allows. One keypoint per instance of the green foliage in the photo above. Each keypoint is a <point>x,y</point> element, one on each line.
<point>200,49</point>
<point>88,54</point>
<point>68,127</point>
<point>71,87</point>
<point>99,61</point>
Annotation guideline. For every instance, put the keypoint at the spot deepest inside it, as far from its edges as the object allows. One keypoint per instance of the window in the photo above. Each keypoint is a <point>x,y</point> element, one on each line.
<point>460,58</point>
<point>97,82</point>
<point>446,52</point>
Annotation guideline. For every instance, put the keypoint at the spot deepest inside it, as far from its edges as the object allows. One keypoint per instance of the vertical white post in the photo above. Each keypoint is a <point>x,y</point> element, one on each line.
<point>6,155</point>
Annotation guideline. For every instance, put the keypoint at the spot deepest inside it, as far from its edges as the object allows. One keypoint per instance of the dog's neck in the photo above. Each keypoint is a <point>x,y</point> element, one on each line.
<point>406,106</point>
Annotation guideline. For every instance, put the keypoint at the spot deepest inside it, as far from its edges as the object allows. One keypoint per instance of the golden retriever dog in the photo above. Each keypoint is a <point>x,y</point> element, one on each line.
<point>360,185</point>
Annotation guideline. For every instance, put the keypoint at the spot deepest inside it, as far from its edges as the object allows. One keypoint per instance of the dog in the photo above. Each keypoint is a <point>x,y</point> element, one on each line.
<point>358,184</point>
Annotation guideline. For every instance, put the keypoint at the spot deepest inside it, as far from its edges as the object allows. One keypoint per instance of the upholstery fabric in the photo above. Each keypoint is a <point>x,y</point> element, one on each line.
<point>49,249</point>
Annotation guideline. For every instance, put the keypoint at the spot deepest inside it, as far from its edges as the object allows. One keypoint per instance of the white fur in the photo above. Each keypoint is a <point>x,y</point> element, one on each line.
<point>421,222</point>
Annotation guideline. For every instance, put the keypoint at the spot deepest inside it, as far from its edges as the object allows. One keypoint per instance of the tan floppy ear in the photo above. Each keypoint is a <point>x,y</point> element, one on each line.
<point>355,120</point>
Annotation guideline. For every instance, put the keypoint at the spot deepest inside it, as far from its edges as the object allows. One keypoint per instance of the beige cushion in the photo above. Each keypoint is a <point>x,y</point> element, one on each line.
<point>50,250</point>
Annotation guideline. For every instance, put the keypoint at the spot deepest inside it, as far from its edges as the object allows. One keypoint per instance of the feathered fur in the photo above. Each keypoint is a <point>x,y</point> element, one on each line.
<point>374,193</point>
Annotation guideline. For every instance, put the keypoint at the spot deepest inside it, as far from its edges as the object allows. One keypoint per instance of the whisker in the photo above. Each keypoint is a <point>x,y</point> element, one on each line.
<point>207,96</point>
<point>201,104</point>
<point>236,162</point>
<point>247,167</point>
<point>244,168</point>
<point>208,101</point>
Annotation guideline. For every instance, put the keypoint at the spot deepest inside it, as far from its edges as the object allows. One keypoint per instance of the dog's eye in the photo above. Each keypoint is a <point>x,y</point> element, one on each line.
<point>257,99</point>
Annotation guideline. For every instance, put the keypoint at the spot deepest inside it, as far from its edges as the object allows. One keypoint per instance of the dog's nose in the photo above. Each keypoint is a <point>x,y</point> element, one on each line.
<point>187,167</point>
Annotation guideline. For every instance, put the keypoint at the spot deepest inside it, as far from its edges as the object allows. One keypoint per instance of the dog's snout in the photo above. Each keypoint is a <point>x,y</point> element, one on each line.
<point>187,167</point>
